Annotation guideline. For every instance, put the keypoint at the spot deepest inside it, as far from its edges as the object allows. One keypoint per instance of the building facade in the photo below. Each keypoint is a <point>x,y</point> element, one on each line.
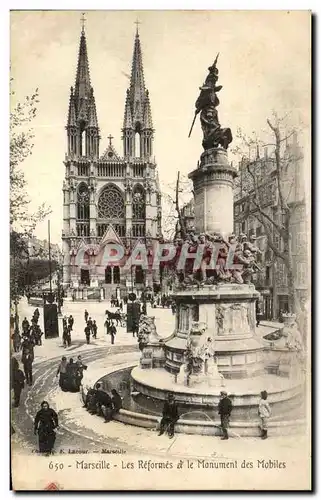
<point>108,197</point>
<point>39,249</point>
<point>272,280</point>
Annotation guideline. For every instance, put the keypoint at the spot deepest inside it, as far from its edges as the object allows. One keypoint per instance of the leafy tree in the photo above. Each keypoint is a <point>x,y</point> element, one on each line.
<point>22,222</point>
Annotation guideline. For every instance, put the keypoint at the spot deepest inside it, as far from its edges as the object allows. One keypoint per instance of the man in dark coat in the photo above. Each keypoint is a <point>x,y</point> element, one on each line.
<point>104,404</point>
<point>62,372</point>
<point>224,409</point>
<point>27,360</point>
<point>170,417</point>
<point>135,327</point>
<point>18,383</point>
<point>116,400</point>
<point>94,329</point>
<point>112,332</point>
<point>70,322</point>
<point>86,315</point>
<point>90,324</point>
<point>65,336</point>
<point>87,333</point>
<point>80,367</point>
<point>46,422</point>
<point>25,324</point>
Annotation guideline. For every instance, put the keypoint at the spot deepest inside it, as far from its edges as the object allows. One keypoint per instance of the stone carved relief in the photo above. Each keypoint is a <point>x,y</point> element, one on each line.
<point>232,318</point>
<point>251,317</point>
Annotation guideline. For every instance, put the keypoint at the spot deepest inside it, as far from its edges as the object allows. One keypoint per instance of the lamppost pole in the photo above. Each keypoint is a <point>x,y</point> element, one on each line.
<point>49,254</point>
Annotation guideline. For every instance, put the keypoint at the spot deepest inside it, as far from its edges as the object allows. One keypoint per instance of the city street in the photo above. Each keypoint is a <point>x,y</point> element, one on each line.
<point>77,428</point>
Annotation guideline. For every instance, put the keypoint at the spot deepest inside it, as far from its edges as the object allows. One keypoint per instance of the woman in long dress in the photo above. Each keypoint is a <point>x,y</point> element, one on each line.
<point>46,422</point>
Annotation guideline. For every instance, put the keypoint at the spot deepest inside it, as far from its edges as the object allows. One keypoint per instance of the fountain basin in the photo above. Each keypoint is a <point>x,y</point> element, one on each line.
<point>199,416</point>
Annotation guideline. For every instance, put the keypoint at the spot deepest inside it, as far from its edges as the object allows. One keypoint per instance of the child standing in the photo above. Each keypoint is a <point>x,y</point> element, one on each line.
<point>264,414</point>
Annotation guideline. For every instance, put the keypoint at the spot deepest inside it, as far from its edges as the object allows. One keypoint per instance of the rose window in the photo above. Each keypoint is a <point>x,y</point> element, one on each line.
<point>111,204</point>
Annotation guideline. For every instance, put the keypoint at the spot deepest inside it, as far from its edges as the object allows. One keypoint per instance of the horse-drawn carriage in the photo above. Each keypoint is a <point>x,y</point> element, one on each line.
<point>119,317</point>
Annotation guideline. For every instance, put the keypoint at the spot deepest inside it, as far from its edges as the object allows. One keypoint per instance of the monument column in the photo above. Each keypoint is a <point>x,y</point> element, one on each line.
<point>213,191</point>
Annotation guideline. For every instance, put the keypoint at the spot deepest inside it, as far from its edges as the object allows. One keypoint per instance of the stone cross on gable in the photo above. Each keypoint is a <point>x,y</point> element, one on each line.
<point>110,137</point>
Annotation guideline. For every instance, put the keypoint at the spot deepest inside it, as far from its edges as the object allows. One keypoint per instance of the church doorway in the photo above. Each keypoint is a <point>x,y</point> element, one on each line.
<point>112,275</point>
<point>108,275</point>
<point>116,275</point>
<point>84,277</point>
<point>139,275</point>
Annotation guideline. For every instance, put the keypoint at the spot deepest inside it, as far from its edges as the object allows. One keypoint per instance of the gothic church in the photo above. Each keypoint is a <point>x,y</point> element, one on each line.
<point>108,198</point>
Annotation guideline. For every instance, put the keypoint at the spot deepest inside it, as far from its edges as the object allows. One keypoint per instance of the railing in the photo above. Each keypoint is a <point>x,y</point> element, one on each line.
<point>83,170</point>
<point>138,230</point>
<point>119,228</point>
<point>138,170</point>
<point>82,228</point>
<point>111,170</point>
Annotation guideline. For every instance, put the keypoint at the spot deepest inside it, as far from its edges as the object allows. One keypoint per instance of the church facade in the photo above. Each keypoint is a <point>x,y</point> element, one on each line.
<point>108,197</point>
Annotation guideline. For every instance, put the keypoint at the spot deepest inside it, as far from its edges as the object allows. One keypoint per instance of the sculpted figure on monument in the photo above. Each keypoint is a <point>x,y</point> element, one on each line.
<point>250,245</point>
<point>213,134</point>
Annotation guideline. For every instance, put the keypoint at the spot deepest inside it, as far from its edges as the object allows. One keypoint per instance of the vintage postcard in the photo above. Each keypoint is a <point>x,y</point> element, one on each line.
<point>160,260</point>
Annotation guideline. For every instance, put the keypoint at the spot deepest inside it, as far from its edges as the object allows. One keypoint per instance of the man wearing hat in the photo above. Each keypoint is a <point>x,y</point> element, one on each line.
<point>170,416</point>
<point>224,409</point>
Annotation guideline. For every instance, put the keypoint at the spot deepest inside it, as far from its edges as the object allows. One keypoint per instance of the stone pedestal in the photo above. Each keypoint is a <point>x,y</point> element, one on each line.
<point>226,315</point>
<point>213,188</point>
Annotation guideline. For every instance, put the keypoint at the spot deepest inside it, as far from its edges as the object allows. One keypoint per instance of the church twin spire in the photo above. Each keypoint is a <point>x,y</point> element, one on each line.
<point>137,116</point>
<point>82,126</point>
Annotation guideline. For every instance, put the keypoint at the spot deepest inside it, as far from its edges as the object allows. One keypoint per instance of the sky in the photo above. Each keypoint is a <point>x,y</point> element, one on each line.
<point>264,65</point>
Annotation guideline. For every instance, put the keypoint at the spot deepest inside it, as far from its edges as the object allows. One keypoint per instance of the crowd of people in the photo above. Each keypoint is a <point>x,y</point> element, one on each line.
<point>70,374</point>
<point>99,402</point>
<point>91,327</point>
<point>25,343</point>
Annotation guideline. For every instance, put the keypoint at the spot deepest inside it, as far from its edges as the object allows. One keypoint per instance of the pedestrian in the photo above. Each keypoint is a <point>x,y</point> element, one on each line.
<point>16,338</point>
<point>65,336</point>
<point>135,327</point>
<point>104,404</point>
<point>64,322</point>
<point>86,315</point>
<point>264,414</point>
<point>107,326</point>
<point>72,376</point>
<point>62,372</point>
<point>91,399</point>
<point>69,335</point>
<point>90,324</point>
<point>46,422</point>
<point>257,313</point>
<point>36,315</point>
<point>224,409</point>
<point>70,322</point>
<point>25,324</point>
<point>18,383</point>
<point>87,333</point>
<point>116,400</point>
<point>113,332</point>
<point>170,417</point>
<point>81,367</point>
<point>121,305</point>
<point>27,360</point>
<point>94,329</point>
